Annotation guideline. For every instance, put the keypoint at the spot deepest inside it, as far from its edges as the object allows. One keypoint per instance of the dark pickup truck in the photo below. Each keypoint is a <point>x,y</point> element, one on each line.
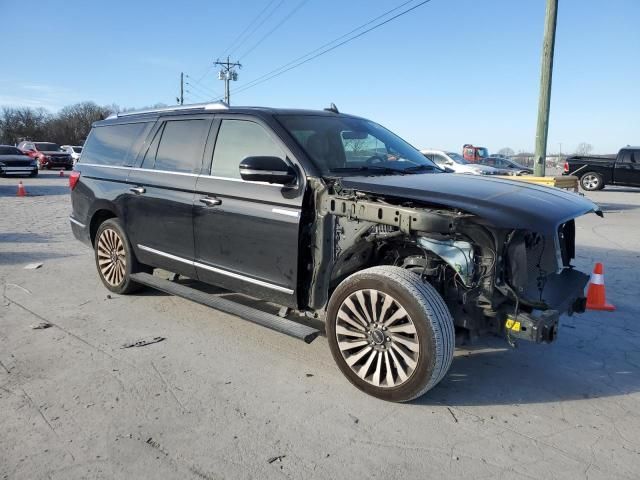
<point>596,172</point>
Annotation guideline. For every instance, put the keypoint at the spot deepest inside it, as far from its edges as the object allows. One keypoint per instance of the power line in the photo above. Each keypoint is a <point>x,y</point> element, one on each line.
<point>257,27</point>
<point>256,18</point>
<point>326,44</point>
<point>195,95</point>
<point>278,25</point>
<point>303,59</point>
<point>201,88</point>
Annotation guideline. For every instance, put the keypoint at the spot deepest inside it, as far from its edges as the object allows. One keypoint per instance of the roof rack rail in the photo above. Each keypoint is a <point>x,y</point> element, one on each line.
<point>194,106</point>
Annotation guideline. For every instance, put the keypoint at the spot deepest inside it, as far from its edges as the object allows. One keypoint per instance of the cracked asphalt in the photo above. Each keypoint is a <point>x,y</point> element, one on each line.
<point>223,398</point>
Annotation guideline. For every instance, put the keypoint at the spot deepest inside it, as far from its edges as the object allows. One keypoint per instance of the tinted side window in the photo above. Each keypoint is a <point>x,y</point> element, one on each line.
<point>112,144</point>
<point>181,146</point>
<point>237,140</point>
<point>625,156</point>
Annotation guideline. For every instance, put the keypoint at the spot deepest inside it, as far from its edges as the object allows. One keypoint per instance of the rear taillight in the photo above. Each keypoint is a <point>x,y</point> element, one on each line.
<point>566,167</point>
<point>73,179</point>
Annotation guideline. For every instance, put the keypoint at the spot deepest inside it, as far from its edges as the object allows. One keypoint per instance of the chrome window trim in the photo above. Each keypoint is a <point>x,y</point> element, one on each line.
<point>73,220</point>
<point>138,169</point>
<point>217,270</point>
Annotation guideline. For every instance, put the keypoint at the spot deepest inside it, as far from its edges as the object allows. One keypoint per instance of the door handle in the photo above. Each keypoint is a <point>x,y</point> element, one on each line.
<point>211,201</point>
<point>138,190</point>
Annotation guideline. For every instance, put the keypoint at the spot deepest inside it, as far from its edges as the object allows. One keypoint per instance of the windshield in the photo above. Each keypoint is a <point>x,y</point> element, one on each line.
<point>483,152</point>
<point>47,147</point>
<point>456,157</point>
<point>77,149</point>
<point>10,151</point>
<point>338,144</point>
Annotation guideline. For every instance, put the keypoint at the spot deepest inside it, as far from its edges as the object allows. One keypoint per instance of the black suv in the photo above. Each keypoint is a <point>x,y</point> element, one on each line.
<point>335,218</point>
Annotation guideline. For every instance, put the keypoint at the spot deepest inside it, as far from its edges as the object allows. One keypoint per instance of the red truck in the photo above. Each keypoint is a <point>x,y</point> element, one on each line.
<point>474,154</point>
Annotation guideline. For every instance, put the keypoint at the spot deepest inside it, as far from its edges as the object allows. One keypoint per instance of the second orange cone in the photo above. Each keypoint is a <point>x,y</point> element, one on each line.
<point>596,293</point>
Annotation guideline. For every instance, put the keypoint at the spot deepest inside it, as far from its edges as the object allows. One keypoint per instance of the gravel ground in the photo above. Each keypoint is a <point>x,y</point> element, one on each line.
<point>222,398</point>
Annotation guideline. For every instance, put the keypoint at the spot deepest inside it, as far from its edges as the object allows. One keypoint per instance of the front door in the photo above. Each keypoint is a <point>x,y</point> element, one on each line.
<point>159,214</point>
<point>628,168</point>
<point>246,233</point>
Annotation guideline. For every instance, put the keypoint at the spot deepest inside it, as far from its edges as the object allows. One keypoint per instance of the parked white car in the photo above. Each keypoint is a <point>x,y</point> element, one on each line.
<point>72,150</point>
<point>456,163</point>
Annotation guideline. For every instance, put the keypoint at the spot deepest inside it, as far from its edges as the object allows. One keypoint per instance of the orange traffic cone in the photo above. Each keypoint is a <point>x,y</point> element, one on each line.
<point>596,295</point>
<point>21,191</point>
<point>61,173</point>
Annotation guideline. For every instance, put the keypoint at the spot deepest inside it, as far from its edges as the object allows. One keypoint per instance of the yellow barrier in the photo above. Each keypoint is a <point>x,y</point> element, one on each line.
<point>569,182</point>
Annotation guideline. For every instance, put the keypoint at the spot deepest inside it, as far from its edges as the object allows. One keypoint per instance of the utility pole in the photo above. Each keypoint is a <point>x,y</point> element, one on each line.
<point>227,73</point>
<point>546,73</point>
<point>180,99</point>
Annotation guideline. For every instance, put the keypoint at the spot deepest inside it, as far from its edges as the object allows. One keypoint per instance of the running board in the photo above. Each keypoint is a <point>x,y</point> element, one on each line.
<point>282,325</point>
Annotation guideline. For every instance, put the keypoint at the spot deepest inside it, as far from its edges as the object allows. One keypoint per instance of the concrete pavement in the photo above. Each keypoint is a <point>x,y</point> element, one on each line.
<point>222,398</point>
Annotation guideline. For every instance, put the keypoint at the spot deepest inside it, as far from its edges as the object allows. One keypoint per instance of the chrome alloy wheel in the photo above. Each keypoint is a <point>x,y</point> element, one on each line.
<point>590,181</point>
<point>377,338</point>
<point>111,257</point>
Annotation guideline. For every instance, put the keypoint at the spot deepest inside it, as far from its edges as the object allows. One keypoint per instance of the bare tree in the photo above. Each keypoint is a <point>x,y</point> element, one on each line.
<point>72,124</point>
<point>506,151</point>
<point>584,148</point>
<point>19,123</point>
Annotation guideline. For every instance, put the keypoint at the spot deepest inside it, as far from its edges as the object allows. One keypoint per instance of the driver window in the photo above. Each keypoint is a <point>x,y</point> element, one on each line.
<point>238,139</point>
<point>358,148</point>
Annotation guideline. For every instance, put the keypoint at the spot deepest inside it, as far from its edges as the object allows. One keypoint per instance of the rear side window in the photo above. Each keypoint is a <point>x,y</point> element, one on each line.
<point>179,147</point>
<point>182,145</point>
<point>112,144</point>
<point>237,140</point>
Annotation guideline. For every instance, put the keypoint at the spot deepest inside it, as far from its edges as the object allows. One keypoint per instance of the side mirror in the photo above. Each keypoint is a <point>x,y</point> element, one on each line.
<point>267,169</point>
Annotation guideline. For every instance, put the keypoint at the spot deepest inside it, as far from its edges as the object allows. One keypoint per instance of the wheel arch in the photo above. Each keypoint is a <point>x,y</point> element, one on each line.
<point>99,217</point>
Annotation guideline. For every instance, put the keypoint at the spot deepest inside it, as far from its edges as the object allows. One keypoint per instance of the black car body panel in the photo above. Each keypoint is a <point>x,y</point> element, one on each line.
<point>623,169</point>
<point>504,203</point>
<point>291,245</point>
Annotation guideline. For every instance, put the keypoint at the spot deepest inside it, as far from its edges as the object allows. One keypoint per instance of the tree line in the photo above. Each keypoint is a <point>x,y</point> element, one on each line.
<point>69,126</point>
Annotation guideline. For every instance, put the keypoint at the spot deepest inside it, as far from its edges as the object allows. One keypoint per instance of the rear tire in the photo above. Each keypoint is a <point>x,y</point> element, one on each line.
<point>591,181</point>
<point>398,343</point>
<point>115,259</point>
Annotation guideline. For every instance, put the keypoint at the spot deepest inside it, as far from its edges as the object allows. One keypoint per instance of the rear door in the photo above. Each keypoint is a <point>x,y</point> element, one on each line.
<point>246,233</point>
<point>160,199</point>
<point>627,168</point>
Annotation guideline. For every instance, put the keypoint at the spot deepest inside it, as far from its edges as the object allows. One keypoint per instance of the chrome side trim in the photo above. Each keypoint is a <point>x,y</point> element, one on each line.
<point>115,167</point>
<point>217,270</point>
<point>282,211</point>
<point>164,254</point>
<point>242,277</point>
<point>73,220</point>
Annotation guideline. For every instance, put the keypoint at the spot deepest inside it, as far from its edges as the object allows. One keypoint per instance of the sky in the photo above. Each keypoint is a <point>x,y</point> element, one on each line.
<point>449,72</point>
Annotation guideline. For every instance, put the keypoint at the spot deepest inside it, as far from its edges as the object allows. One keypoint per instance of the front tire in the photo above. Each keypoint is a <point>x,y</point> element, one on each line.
<point>390,333</point>
<point>591,181</point>
<point>115,259</point>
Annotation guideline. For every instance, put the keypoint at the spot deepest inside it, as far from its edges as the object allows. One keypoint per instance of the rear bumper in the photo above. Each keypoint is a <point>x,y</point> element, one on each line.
<point>80,231</point>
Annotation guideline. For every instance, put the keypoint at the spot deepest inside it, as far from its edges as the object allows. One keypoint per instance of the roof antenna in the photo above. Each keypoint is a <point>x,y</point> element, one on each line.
<point>332,108</point>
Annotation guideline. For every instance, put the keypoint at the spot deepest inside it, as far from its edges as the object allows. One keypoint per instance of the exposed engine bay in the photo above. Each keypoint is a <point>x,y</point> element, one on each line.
<point>511,282</point>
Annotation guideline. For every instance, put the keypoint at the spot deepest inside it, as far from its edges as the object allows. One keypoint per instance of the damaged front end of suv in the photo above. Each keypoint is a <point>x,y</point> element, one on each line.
<point>499,254</point>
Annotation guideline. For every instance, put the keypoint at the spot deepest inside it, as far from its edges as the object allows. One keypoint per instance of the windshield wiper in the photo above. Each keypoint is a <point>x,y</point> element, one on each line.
<point>367,168</point>
<point>418,168</point>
